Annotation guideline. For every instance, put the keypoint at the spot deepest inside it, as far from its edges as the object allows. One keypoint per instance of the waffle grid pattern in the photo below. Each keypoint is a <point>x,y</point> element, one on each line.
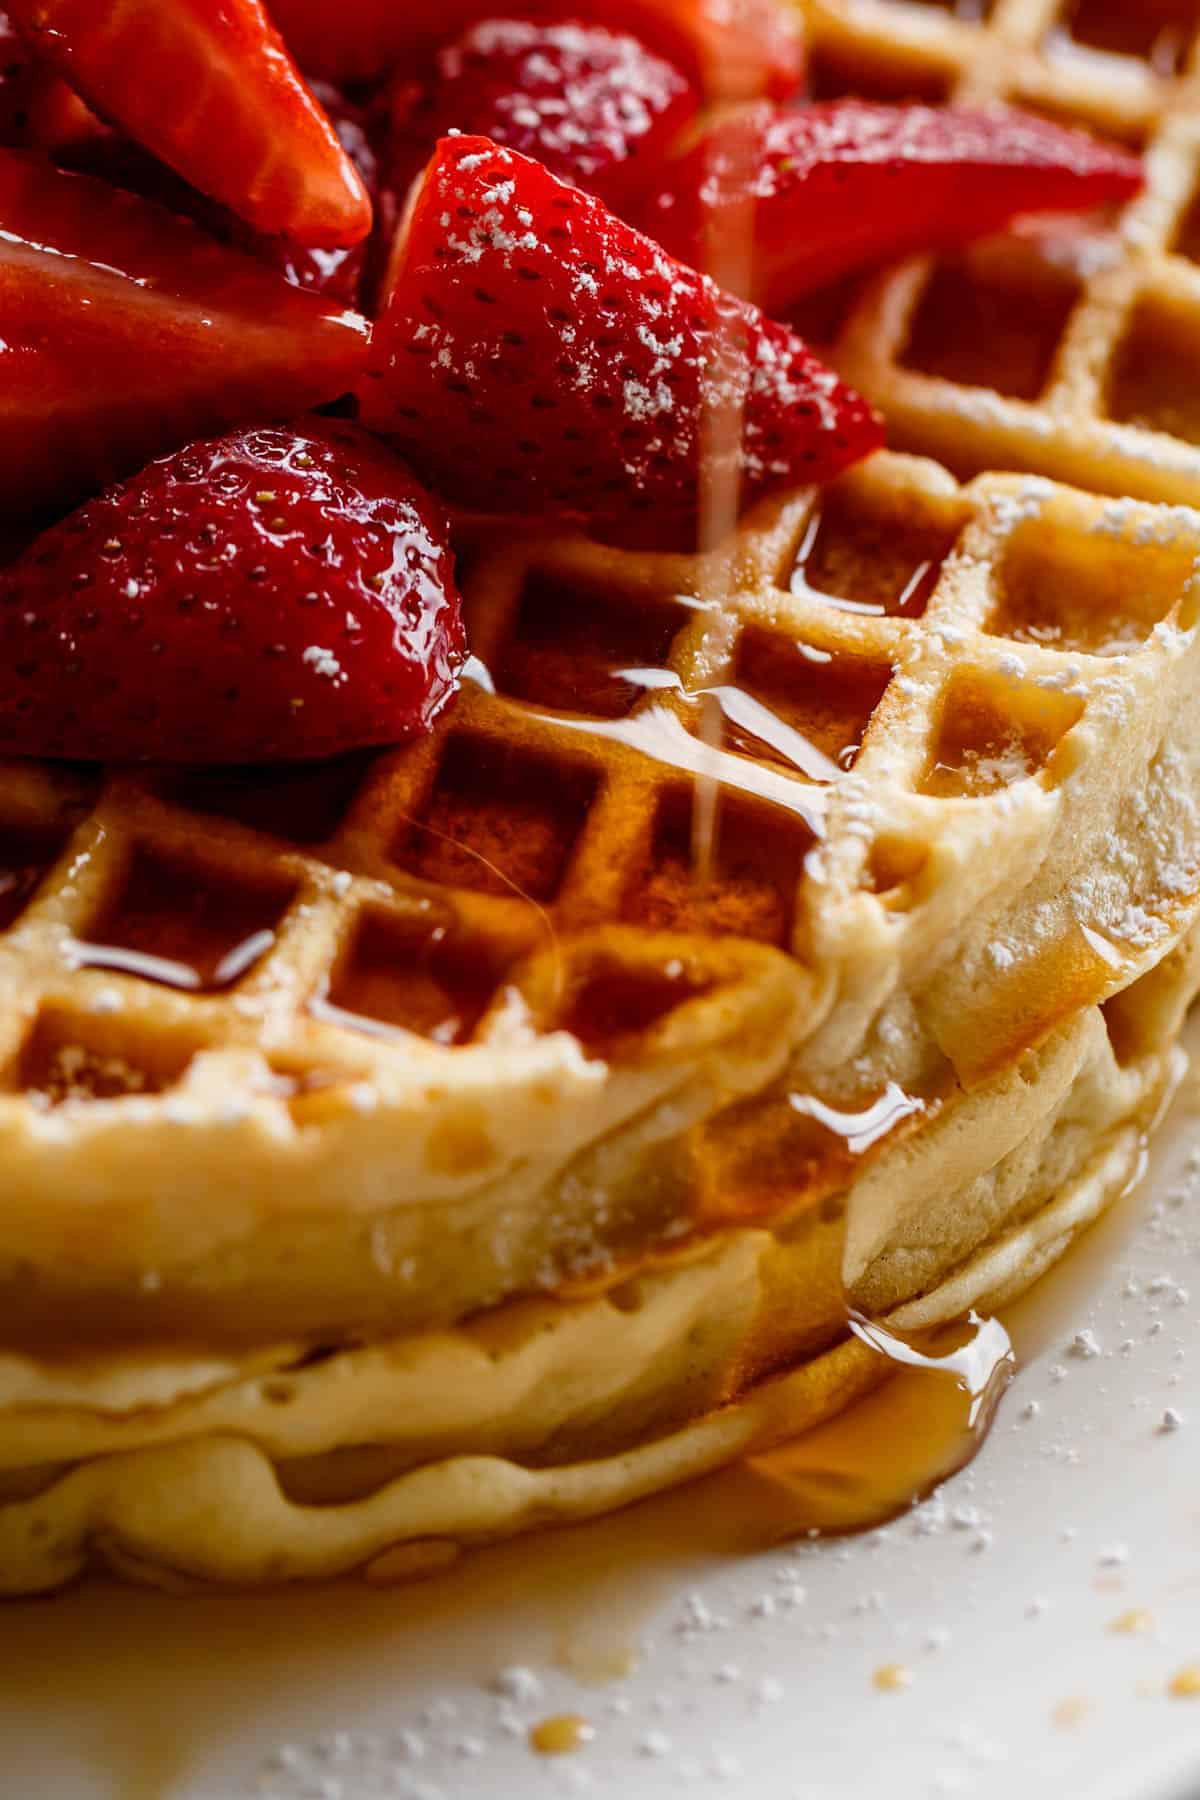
<point>1072,353</point>
<point>911,654</point>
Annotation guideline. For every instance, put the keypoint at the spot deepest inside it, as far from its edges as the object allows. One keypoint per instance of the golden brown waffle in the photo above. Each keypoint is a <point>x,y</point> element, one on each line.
<point>321,1058</point>
<point>488,988</point>
<point>493,1131</point>
<point>1075,352</point>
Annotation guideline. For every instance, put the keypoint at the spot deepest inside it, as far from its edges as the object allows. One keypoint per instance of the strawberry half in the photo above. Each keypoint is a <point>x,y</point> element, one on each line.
<point>836,187</point>
<point>126,331</point>
<point>57,120</point>
<point>277,594</point>
<point>536,354</point>
<point>737,49</point>
<point>210,90</point>
<point>595,106</point>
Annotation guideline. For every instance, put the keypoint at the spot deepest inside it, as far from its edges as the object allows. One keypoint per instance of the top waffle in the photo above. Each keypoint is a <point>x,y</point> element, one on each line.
<point>387,1042</point>
<point>1075,354</point>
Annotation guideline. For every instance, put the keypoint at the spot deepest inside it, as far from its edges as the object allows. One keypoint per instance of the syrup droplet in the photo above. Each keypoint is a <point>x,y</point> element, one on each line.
<point>1134,1623</point>
<point>1185,1683</point>
<point>1070,1712</point>
<point>859,1130</point>
<point>561,1735</point>
<point>862,564</point>
<point>892,1678</point>
<point>183,927</point>
<point>892,1449</point>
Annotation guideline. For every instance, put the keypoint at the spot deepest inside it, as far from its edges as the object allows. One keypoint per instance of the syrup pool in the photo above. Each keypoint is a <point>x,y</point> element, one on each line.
<point>891,1450</point>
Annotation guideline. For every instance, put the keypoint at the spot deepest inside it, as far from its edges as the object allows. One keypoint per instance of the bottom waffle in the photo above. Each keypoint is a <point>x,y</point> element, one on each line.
<point>278,1465</point>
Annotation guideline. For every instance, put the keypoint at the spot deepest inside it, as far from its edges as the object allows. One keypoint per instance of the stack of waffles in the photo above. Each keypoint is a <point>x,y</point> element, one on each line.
<point>501,1129</point>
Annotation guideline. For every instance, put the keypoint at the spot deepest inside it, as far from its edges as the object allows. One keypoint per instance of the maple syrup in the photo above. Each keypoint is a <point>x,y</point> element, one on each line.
<point>406,975</point>
<point>615,1004</point>
<point>561,1735</point>
<point>864,561</point>
<point>183,926</point>
<point>500,820</point>
<point>983,745</point>
<point>1056,592</point>
<point>798,705</point>
<point>586,652</point>
<point>754,857</point>
<point>866,1126</point>
<point>891,1450</point>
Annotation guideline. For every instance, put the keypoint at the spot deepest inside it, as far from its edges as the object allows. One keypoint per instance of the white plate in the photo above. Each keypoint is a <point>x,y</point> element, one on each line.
<point>754,1672</point>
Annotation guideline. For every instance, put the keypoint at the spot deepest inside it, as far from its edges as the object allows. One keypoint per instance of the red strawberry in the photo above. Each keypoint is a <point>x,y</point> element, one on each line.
<point>596,107</point>
<point>737,49</point>
<point>59,121</point>
<point>337,272</point>
<point>125,331</point>
<point>842,185</point>
<point>212,91</point>
<point>280,593</point>
<point>536,354</point>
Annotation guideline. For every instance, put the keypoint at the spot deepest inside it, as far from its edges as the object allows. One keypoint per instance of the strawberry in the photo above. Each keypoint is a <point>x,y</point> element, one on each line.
<point>280,593</point>
<point>59,121</point>
<point>126,331</point>
<point>848,183</point>
<point>535,354</point>
<point>211,91</point>
<point>594,106</point>
<point>737,49</point>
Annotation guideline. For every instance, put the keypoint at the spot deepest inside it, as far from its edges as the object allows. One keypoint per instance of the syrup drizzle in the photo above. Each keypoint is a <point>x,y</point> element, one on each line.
<point>891,1450</point>
<point>660,735</point>
<point>166,970</point>
<point>860,1130</point>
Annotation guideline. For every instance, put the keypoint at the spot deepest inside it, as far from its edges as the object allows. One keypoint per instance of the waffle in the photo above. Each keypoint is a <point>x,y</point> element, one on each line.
<point>444,1077</point>
<point>434,1144</point>
<point>1073,353</point>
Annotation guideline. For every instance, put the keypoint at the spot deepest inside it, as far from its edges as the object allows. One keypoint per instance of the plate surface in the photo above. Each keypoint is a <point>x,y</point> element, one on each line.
<point>1034,1615</point>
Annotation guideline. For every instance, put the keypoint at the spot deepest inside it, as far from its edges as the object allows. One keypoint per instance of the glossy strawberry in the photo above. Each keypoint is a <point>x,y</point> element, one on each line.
<point>836,187</point>
<point>595,106</point>
<point>125,331</point>
<point>210,90</point>
<point>58,120</point>
<point>279,593</point>
<point>538,355</point>
<point>737,49</point>
<point>339,272</point>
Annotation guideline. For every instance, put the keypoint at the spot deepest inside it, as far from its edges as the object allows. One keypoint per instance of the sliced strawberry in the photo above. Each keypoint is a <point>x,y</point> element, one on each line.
<point>59,121</point>
<point>836,187</point>
<point>536,354</point>
<point>738,49</point>
<point>125,331</point>
<point>277,594</point>
<point>595,106</point>
<point>212,91</point>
